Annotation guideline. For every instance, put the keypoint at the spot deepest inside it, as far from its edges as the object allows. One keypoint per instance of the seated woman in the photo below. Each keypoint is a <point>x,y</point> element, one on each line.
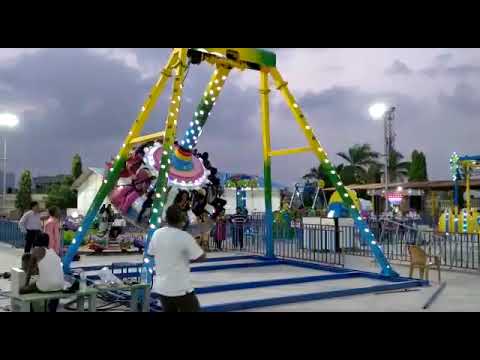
<point>47,264</point>
<point>124,196</point>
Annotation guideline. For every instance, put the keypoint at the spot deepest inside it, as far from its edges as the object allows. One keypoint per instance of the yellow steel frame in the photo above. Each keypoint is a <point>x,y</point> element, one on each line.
<point>147,138</point>
<point>468,167</point>
<point>285,152</point>
<point>177,62</point>
<point>267,162</point>
<point>174,62</point>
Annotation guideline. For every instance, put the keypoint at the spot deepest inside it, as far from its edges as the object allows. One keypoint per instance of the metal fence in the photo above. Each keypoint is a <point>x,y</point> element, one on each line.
<point>249,237</point>
<point>328,244</point>
<point>10,234</point>
<point>310,243</point>
<point>456,251</point>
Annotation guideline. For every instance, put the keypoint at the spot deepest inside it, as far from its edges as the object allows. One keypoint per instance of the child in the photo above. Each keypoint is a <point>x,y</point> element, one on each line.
<point>220,230</point>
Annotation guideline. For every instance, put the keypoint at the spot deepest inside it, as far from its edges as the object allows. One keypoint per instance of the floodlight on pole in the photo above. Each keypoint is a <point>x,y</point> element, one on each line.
<point>9,121</point>
<point>377,111</point>
<point>380,111</point>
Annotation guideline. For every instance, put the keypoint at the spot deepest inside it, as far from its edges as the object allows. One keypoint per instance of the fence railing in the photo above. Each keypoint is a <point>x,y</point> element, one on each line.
<point>309,243</point>
<point>328,244</point>
<point>10,234</point>
<point>459,251</point>
<point>249,237</point>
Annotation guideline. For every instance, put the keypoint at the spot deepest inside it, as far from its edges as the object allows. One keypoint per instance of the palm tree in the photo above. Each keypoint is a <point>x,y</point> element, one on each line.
<point>374,174</point>
<point>358,159</point>
<point>396,168</point>
<point>316,173</point>
<point>346,174</point>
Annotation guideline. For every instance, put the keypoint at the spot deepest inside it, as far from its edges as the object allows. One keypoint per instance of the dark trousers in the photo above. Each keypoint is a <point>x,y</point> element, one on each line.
<point>30,239</point>
<point>52,306</point>
<point>238,236</point>
<point>185,303</point>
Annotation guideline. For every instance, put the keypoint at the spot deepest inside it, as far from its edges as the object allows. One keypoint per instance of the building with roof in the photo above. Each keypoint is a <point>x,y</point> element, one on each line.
<point>87,186</point>
<point>427,197</point>
<point>41,184</point>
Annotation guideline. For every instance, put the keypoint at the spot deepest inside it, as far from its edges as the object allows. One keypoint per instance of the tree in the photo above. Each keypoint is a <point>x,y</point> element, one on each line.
<point>346,174</point>
<point>24,195</point>
<point>358,158</point>
<point>374,174</point>
<point>396,167</point>
<point>317,173</point>
<point>76,166</point>
<point>62,195</point>
<point>418,167</point>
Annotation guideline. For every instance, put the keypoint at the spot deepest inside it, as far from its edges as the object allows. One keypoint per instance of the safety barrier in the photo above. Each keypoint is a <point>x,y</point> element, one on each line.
<point>10,234</point>
<point>456,251</point>
<point>327,244</point>
<point>309,243</point>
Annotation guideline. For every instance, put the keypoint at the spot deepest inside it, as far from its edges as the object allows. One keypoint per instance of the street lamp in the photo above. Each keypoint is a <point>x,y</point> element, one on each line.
<point>380,111</point>
<point>7,121</point>
<point>377,111</point>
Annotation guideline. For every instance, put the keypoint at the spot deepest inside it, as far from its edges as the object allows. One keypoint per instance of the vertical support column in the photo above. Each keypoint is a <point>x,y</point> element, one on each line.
<point>456,192</point>
<point>210,96</point>
<point>367,237</point>
<point>120,160</point>
<point>241,198</point>
<point>434,205</point>
<point>4,197</point>
<point>162,180</point>
<point>267,162</point>
<point>467,183</point>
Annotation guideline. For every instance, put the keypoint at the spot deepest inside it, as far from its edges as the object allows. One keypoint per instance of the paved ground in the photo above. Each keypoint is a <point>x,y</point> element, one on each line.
<point>461,294</point>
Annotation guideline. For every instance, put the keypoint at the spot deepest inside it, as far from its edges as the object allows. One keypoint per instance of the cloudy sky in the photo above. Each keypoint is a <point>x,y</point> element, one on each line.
<point>84,101</point>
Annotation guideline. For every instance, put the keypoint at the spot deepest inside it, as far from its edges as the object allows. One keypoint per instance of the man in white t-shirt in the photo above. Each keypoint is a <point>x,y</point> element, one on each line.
<point>47,264</point>
<point>173,250</point>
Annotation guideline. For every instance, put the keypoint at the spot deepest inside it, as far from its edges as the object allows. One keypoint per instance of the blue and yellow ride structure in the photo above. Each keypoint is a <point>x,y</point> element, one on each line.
<point>454,219</point>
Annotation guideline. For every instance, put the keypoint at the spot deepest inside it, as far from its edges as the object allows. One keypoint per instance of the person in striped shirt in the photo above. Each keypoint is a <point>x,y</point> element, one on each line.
<point>238,220</point>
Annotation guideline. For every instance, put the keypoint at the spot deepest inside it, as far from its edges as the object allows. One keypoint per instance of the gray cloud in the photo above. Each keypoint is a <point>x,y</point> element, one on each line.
<point>443,58</point>
<point>398,68</point>
<point>459,71</point>
<point>73,100</point>
<point>85,103</point>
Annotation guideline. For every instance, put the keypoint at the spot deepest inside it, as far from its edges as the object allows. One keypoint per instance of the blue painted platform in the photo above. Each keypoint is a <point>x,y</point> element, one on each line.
<point>326,273</point>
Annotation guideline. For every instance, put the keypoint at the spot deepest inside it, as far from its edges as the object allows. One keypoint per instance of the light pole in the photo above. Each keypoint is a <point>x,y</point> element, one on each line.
<point>6,121</point>
<point>382,112</point>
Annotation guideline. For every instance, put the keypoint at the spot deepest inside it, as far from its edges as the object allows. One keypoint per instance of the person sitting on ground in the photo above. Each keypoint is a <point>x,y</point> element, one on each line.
<point>173,250</point>
<point>48,265</point>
